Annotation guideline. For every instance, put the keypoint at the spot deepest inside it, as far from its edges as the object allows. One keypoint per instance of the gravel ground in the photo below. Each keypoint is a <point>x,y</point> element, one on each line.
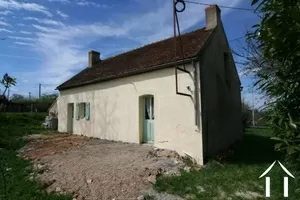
<point>94,169</point>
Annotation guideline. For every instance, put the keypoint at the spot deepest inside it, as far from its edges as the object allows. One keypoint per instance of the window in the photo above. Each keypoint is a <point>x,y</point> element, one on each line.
<point>149,108</point>
<point>83,111</point>
<point>72,111</point>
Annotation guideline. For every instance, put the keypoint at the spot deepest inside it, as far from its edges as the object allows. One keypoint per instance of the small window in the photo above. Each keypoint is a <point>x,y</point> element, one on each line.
<point>87,111</point>
<point>82,110</point>
<point>72,112</point>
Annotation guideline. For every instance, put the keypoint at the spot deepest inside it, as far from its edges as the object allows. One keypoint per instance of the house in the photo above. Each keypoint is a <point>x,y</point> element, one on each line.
<point>190,105</point>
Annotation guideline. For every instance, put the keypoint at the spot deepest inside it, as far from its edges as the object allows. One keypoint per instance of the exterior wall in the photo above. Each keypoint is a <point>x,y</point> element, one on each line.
<point>53,108</point>
<point>115,110</point>
<point>221,101</point>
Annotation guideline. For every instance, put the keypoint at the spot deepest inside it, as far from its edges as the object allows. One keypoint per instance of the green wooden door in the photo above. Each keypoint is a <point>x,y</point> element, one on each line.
<point>148,136</point>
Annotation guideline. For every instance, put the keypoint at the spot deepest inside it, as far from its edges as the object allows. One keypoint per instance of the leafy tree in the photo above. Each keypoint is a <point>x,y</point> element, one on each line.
<point>277,37</point>
<point>49,97</point>
<point>246,114</point>
<point>7,81</point>
<point>17,97</point>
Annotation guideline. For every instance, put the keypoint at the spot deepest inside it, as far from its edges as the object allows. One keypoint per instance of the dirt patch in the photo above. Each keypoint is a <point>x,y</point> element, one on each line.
<point>98,169</point>
<point>41,145</point>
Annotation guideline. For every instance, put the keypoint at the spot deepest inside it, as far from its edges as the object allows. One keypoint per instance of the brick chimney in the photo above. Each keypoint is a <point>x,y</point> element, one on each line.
<point>213,16</point>
<point>94,57</point>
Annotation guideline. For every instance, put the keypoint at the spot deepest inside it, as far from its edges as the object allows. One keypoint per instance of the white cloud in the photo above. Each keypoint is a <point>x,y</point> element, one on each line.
<point>6,12</point>
<point>45,21</point>
<point>51,22</point>
<point>18,56</point>
<point>24,43</point>
<point>70,33</point>
<point>15,5</point>
<point>21,24</point>
<point>62,49</point>
<point>63,15</point>
<point>90,3</point>
<point>60,1</point>
<point>4,23</point>
<point>61,43</point>
<point>26,32</point>
<point>21,38</point>
<point>5,30</point>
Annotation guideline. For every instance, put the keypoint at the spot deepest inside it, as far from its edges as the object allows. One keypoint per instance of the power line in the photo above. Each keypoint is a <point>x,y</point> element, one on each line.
<point>238,38</point>
<point>221,6</point>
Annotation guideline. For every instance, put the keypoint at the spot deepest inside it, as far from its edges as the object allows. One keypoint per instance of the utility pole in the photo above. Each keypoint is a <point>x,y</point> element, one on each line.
<point>40,90</point>
<point>29,95</point>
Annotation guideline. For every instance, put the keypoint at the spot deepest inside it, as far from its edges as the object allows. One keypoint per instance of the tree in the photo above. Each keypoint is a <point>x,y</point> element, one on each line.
<point>17,97</point>
<point>277,37</point>
<point>7,81</point>
<point>254,62</point>
<point>246,115</point>
<point>48,97</point>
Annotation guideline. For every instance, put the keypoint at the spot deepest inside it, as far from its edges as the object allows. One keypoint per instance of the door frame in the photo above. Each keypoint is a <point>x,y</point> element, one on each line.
<point>70,117</point>
<point>143,118</point>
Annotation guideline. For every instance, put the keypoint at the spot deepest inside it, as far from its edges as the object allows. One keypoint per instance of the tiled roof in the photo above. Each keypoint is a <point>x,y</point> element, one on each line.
<point>143,59</point>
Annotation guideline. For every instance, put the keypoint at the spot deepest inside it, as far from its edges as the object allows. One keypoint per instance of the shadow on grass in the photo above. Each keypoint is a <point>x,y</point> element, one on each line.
<point>257,147</point>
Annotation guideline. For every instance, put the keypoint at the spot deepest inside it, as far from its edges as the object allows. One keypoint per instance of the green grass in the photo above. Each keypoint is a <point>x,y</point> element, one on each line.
<point>14,185</point>
<point>237,175</point>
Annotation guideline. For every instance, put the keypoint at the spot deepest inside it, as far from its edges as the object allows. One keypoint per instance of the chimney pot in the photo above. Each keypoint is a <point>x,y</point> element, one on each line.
<point>94,57</point>
<point>213,16</point>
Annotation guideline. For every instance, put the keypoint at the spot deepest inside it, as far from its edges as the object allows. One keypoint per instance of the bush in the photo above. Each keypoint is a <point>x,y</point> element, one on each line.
<point>278,40</point>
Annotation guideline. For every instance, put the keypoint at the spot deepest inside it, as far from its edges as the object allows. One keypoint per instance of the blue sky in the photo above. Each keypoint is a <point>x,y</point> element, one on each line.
<point>47,40</point>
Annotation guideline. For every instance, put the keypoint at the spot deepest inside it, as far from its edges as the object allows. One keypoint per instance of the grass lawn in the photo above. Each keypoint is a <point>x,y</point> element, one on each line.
<point>14,171</point>
<point>237,177</point>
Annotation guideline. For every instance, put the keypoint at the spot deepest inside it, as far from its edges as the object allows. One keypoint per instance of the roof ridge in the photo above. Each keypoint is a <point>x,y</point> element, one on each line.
<point>158,41</point>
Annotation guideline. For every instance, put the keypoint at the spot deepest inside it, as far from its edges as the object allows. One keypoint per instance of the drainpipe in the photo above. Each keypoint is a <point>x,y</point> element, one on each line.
<point>197,93</point>
<point>196,64</point>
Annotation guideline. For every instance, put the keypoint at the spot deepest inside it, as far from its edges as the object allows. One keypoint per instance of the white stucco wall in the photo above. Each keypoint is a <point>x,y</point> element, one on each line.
<point>115,115</point>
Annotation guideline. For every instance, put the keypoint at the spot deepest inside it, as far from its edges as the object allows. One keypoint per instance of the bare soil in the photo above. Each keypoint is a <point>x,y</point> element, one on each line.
<point>94,169</point>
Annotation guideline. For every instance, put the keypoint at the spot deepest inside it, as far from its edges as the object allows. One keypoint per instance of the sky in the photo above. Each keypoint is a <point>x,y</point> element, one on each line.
<point>47,41</point>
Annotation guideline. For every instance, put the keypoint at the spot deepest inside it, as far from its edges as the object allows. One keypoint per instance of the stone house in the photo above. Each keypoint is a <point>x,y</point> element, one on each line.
<point>190,105</point>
